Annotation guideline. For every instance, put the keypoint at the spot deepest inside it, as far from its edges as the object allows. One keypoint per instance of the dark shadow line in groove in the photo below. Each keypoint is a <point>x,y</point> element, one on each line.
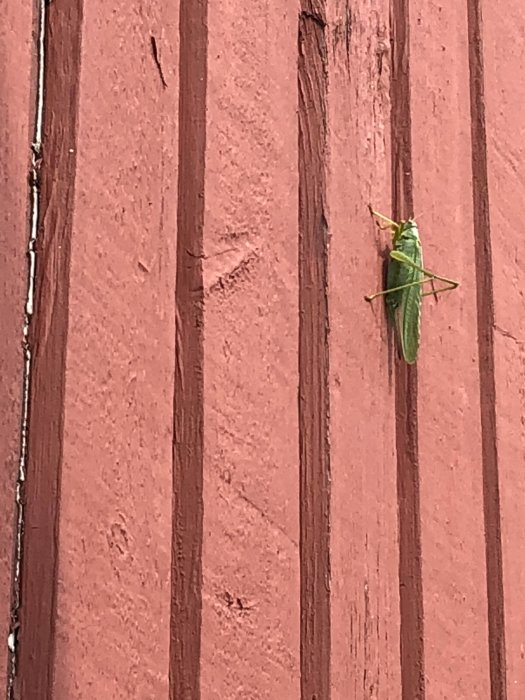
<point>187,522</point>
<point>485,320</point>
<point>53,172</point>
<point>406,385</point>
<point>314,452</point>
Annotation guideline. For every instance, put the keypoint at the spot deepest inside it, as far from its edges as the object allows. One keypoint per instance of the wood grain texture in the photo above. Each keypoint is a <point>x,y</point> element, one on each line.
<point>498,62</point>
<point>235,488</point>
<point>453,542</point>
<point>365,623</point>
<point>314,403</point>
<point>113,546</point>
<point>251,615</point>
<point>48,337</point>
<point>406,382</point>
<point>188,432</point>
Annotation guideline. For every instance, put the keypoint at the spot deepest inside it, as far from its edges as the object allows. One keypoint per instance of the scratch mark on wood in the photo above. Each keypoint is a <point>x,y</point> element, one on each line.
<point>156,58</point>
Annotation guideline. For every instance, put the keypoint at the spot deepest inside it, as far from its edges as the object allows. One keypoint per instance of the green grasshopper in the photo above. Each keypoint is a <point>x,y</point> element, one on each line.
<point>405,278</point>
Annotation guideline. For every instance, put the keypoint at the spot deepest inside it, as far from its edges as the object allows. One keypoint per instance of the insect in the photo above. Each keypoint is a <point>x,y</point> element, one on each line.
<point>405,279</point>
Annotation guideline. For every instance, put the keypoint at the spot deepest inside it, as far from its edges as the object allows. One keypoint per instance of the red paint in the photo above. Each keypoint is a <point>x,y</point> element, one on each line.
<point>412,635</point>
<point>450,430</point>
<point>48,340</point>
<point>365,624</point>
<point>234,487</point>
<point>96,571</point>
<point>251,614</point>
<point>314,390</point>
<point>504,60</point>
<point>188,437</point>
<point>113,602</point>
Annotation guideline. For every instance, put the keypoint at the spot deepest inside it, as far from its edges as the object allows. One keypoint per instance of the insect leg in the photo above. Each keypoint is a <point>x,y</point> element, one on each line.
<point>435,292</point>
<point>451,284</point>
<point>401,257</point>
<point>371,297</point>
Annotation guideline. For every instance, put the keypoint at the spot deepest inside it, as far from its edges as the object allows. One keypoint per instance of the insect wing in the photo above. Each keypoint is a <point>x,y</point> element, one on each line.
<point>408,312</point>
<point>408,322</point>
<point>393,279</point>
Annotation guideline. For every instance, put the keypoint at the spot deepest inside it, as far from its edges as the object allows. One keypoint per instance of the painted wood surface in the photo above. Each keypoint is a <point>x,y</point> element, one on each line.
<point>223,482</point>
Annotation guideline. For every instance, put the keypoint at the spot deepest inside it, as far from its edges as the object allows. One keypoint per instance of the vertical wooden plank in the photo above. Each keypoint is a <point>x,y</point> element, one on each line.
<point>364,528</point>
<point>503,56</point>
<point>95,613</point>
<point>450,443</point>
<point>250,617</point>
<point>121,339</point>
<point>15,122</point>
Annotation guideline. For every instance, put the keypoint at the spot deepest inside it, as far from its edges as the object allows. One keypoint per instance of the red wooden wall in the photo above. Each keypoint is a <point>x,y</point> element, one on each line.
<point>217,479</point>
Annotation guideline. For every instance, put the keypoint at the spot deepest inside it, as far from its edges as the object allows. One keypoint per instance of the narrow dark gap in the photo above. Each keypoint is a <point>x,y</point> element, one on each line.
<point>406,385</point>
<point>187,522</point>
<point>314,450</point>
<point>52,188</point>
<point>487,382</point>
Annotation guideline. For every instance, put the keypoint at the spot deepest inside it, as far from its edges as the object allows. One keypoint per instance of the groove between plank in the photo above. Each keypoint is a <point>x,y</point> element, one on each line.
<point>186,569</point>
<point>487,381</point>
<point>406,399</point>
<point>47,342</point>
<point>314,448</point>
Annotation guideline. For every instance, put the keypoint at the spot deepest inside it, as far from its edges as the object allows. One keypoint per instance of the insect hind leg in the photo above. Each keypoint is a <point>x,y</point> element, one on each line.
<point>435,292</point>
<point>371,297</point>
